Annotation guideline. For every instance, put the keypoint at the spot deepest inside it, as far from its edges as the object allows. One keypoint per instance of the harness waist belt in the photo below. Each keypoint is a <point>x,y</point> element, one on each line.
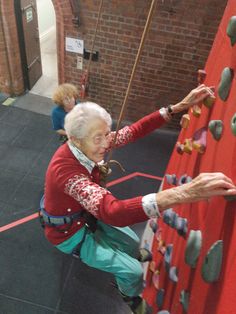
<point>59,220</point>
<point>56,220</point>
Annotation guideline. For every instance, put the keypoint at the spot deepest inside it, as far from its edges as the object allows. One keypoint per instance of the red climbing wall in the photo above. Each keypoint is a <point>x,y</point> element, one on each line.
<point>217,218</point>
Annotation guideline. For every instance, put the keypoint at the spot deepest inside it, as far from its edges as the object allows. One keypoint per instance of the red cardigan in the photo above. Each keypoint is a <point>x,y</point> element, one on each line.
<point>70,187</point>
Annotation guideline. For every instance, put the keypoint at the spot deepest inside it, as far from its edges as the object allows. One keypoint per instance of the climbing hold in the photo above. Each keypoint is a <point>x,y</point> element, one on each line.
<point>168,256</point>
<point>201,76</point>
<point>193,247</point>
<point>162,250</point>
<point>179,148</point>
<point>181,225</point>
<point>184,179</point>
<point>216,129</point>
<point>209,101</point>
<point>225,83</point>
<point>152,266</point>
<point>169,217</point>
<point>196,111</point>
<point>153,225</point>
<point>161,247</point>
<point>144,255</point>
<point>231,30</point>
<point>160,298</point>
<point>184,122</point>
<point>173,274</point>
<point>233,124</point>
<point>188,146</point>
<point>184,300</point>
<point>230,198</point>
<point>158,234</point>
<point>155,279</point>
<point>171,179</point>
<point>199,140</point>
<point>211,266</point>
<point>163,312</point>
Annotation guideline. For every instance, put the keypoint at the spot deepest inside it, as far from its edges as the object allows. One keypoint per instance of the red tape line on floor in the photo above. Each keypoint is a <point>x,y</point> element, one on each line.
<point>114,182</point>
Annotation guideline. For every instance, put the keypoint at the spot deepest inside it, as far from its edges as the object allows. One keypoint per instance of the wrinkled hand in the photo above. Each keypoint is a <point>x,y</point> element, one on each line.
<point>207,185</point>
<point>195,97</point>
<point>202,187</point>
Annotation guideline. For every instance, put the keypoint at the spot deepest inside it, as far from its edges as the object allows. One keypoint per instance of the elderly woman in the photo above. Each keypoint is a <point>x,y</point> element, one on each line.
<point>81,216</point>
<point>65,98</point>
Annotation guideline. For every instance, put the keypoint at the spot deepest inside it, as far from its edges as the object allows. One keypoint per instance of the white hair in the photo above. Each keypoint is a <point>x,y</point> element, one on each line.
<point>81,116</point>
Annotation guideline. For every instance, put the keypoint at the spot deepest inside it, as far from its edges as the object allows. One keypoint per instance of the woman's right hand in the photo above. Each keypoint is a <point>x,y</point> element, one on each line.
<point>202,187</point>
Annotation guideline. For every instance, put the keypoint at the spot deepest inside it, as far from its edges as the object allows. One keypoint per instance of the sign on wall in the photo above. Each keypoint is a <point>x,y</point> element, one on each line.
<point>29,15</point>
<point>74,45</point>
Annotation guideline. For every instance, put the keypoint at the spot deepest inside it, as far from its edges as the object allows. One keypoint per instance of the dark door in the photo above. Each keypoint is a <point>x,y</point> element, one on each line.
<point>31,41</point>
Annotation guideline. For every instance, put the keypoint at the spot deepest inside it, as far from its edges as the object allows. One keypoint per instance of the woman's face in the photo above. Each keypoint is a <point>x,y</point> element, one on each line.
<point>69,103</point>
<point>95,144</point>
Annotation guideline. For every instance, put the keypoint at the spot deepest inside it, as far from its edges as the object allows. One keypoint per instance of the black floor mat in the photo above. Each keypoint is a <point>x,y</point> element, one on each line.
<point>35,277</point>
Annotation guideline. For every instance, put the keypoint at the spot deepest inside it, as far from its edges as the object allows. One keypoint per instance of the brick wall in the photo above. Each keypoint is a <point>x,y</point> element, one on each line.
<point>177,45</point>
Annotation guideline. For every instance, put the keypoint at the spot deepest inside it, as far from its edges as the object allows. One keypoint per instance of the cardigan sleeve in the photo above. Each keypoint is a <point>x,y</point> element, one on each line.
<point>138,129</point>
<point>102,204</point>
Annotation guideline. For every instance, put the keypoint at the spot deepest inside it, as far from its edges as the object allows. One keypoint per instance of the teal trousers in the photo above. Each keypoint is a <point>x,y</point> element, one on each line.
<point>114,250</point>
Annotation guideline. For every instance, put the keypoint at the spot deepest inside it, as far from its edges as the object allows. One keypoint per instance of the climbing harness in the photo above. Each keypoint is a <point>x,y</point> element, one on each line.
<point>57,221</point>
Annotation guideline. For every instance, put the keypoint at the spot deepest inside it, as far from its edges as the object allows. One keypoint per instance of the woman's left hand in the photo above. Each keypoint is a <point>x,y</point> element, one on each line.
<point>195,97</point>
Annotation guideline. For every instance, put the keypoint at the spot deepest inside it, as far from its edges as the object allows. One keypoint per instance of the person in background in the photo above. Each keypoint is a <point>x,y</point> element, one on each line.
<point>83,218</point>
<point>65,98</point>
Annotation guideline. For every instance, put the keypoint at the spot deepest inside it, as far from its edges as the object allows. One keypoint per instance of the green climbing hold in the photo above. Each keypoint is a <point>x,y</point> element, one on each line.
<point>231,30</point>
<point>193,247</point>
<point>225,83</point>
<point>209,101</point>
<point>184,300</point>
<point>211,266</point>
<point>216,129</point>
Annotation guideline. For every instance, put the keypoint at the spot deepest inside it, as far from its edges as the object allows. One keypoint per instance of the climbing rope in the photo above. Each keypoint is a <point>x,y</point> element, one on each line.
<point>148,21</point>
<point>85,76</point>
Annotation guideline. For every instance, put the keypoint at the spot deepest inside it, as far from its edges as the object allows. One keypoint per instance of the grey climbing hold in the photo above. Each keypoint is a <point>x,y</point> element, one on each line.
<point>181,225</point>
<point>233,124</point>
<point>184,300</point>
<point>225,83</point>
<point>169,217</point>
<point>160,298</point>
<point>216,129</point>
<point>153,225</point>
<point>173,274</point>
<point>212,263</point>
<point>230,198</point>
<point>171,179</point>
<point>168,256</point>
<point>184,179</point>
<point>193,247</point>
<point>163,312</point>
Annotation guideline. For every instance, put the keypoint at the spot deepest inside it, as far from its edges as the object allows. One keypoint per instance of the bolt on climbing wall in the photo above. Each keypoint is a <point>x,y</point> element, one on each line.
<point>194,262</point>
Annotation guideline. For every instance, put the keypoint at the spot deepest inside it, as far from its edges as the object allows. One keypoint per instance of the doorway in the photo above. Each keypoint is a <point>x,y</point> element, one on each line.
<point>47,83</point>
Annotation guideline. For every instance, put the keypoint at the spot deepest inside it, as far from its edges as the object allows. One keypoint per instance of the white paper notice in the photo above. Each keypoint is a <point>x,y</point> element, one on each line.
<point>74,45</point>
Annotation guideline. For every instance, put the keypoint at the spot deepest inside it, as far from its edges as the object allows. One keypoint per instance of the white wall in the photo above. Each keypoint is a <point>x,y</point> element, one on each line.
<point>46,18</point>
